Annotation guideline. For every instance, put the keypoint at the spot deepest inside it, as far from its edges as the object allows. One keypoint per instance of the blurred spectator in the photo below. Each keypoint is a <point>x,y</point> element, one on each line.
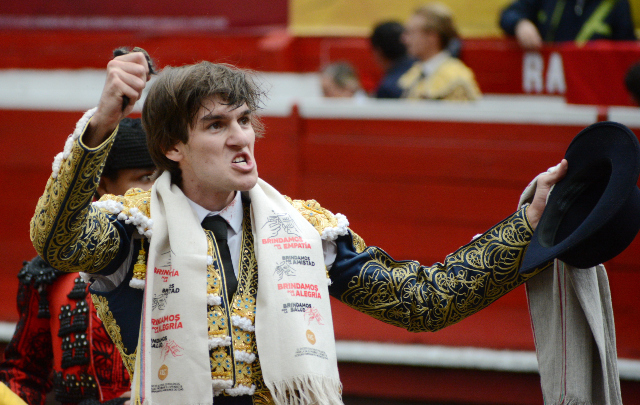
<point>340,79</point>
<point>391,55</point>
<point>436,75</point>
<point>535,21</point>
<point>632,81</point>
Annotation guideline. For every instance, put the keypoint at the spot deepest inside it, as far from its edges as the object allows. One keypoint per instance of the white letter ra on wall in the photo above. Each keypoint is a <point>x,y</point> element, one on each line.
<point>555,74</point>
<point>533,77</point>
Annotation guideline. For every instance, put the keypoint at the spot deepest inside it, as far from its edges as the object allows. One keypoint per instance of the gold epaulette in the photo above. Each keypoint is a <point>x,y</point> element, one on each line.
<point>133,198</point>
<point>320,218</point>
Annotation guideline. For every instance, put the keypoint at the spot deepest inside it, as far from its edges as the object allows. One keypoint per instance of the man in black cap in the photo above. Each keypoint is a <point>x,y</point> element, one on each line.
<point>58,320</point>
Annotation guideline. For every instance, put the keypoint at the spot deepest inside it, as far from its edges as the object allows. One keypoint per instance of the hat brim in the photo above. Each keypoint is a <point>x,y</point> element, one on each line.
<point>599,189</point>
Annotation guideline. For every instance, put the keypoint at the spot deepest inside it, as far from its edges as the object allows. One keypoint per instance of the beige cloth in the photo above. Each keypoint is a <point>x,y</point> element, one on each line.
<point>574,332</point>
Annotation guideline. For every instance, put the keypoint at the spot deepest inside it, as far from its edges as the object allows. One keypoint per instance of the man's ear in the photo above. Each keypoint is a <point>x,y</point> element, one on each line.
<point>175,152</point>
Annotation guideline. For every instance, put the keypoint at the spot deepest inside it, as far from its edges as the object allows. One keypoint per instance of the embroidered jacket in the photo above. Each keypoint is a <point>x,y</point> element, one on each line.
<point>74,235</point>
<point>60,333</point>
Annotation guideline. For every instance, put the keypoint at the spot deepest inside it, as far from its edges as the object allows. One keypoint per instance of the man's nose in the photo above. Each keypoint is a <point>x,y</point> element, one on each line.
<point>239,135</point>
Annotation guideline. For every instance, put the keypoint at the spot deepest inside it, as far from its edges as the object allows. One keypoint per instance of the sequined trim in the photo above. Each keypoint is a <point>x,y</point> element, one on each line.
<point>358,242</point>
<point>109,322</point>
<point>328,225</point>
<point>132,208</point>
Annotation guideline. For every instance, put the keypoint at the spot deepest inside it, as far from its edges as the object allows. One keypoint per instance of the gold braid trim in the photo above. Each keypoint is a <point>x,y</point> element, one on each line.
<point>133,198</point>
<point>317,216</point>
<point>102,308</point>
<point>66,230</point>
<point>358,242</point>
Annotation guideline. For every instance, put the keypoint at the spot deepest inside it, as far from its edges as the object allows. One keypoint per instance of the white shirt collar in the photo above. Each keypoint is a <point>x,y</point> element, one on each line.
<point>232,213</point>
<point>431,65</point>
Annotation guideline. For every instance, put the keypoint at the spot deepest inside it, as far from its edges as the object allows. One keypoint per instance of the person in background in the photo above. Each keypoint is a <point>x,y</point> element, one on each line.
<point>391,55</point>
<point>533,22</point>
<point>59,341</point>
<point>436,75</point>
<point>632,81</point>
<point>340,79</point>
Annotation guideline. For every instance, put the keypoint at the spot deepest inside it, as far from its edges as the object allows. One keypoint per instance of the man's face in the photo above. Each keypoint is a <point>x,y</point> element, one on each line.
<point>127,178</point>
<point>218,158</point>
<point>421,44</point>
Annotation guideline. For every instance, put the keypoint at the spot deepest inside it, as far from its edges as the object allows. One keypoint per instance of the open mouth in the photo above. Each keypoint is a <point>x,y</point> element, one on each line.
<point>241,160</point>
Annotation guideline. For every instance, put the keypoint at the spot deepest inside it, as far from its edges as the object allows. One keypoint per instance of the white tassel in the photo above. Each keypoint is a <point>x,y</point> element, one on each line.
<point>68,145</point>
<point>241,390</point>
<point>217,342</point>
<point>113,207</point>
<point>137,283</point>
<point>135,217</point>
<point>55,166</point>
<point>244,357</point>
<point>332,233</point>
<point>219,385</point>
<point>213,299</point>
<point>243,323</point>
<point>307,390</point>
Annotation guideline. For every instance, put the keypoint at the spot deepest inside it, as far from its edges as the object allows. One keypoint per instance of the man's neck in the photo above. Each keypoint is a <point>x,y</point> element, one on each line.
<point>213,201</point>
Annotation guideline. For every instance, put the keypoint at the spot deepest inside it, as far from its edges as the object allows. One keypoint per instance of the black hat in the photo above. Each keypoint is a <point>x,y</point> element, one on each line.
<point>129,150</point>
<point>593,213</point>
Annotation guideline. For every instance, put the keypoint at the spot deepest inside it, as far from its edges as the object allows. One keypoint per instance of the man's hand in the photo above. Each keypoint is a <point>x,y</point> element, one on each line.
<point>528,36</point>
<point>534,211</point>
<point>127,76</point>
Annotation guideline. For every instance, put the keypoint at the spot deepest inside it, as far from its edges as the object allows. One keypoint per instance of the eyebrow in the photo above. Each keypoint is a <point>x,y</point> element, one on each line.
<point>212,117</point>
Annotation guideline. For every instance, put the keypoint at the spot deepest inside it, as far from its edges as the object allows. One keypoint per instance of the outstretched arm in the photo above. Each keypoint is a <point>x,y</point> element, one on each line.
<point>428,298</point>
<point>66,230</point>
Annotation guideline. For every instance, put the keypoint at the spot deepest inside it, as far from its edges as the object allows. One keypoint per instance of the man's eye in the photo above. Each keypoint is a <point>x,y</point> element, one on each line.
<point>245,121</point>
<point>215,125</point>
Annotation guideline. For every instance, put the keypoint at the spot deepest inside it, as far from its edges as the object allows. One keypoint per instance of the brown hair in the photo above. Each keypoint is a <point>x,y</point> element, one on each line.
<point>438,18</point>
<point>178,93</point>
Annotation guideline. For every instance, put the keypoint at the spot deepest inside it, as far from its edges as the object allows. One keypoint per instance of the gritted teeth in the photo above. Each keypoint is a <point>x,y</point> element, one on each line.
<point>240,159</point>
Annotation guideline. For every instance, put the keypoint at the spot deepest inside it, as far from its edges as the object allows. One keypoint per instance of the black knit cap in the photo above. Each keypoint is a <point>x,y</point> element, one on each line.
<point>129,150</point>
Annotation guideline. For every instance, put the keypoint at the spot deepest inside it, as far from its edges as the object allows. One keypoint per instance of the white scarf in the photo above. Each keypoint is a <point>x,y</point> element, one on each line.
<point>296,348</point>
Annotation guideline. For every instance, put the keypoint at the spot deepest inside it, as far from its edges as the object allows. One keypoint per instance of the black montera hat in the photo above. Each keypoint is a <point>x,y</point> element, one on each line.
<point>129,150</point>
<point>593,213</point>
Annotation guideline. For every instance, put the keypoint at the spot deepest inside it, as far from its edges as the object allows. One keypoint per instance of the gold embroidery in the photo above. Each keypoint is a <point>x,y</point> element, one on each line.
<point>243,305</point>
<point>105,315</point>
<point>358,242</point>
<point>317,216</point>
<point>140,268</point>
<point>221,367</point>
<point>133,198</point>
<point>420,298</point>
<point>66,230</point>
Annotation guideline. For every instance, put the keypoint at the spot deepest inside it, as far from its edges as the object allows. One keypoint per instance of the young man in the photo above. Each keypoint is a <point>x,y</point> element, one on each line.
<point>59,332</point>
<point>436,75</point>
<point>235,275</point>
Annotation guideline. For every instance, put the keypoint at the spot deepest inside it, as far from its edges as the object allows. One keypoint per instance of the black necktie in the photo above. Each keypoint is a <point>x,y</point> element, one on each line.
<point>218,226</point>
